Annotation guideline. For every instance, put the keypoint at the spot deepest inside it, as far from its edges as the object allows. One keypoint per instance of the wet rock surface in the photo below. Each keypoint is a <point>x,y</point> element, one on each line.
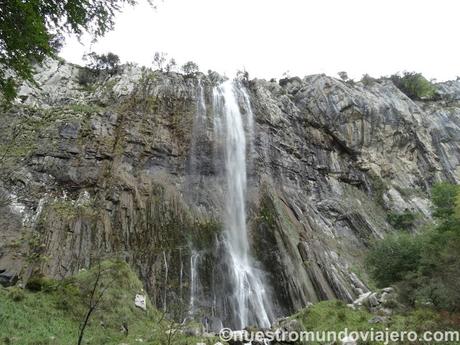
<point>104,170</point>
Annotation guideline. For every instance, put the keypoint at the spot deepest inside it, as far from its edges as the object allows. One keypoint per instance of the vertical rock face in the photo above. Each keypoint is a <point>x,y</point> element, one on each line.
<point>130,165</point>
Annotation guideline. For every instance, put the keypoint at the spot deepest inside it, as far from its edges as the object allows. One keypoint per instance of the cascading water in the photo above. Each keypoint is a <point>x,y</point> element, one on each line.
<point>249,301</point>
<point>194,186</point>
<point>194,281</point>
<point>198,131</point>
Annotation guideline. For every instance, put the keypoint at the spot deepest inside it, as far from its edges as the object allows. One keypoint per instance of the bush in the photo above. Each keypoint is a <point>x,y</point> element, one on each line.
<point>414,85</point>
<point>16,294</point>
<point>425,267</point>
<point>87,76</point>
<point>444,197</point>
<point>41,284</point>
<point>367,80</point>
<point>401,221</point>
<point>392,258</point>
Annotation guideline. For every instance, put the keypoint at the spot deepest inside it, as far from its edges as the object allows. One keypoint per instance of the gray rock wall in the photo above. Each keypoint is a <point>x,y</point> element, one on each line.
<point>103,168</point>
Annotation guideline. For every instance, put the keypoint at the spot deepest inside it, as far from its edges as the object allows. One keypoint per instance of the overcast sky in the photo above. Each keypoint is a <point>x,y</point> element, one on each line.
<point>268,38</point>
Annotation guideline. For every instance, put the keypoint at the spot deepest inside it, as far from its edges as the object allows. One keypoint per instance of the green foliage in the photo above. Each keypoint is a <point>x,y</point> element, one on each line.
<point>334,316</point>
<point>16,294</point>
<point>426,267</point>
<point>367,80</point>
<point>54,317</point>
<point>33,30</point>
<point>87,76</point>
<point>414,85</point>
<point>159,62</point>
<point>40,283</point>
<point>401,221</point>
<point>444,199</point>
<point>379,188</point>
<point>391,259</point>
<point>171,65</point>
<point>190,68</point>
<point>104,62</point>
<point>203,233</point>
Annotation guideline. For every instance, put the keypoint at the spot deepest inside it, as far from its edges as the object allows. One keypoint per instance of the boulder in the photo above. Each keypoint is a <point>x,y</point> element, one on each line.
<point>139,301</point>
<point>8,278</point>
<point>377,319</point>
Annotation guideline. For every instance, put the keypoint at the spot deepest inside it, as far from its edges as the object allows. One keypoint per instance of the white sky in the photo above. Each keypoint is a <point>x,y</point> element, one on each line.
<point>268,37</point>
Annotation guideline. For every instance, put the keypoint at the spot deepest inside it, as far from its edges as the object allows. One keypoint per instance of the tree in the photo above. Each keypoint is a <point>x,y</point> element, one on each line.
<point>190,68</point>
<point>414,85</point>
<point>95,295</point>
<point>159,60</point>
<point>392,258</point>
<point>444,200</point>
<point>343,75</point>
<point>105,62</point>
<point>425,266</point>
<point>171,65</point>
<point>33,30</point>
<point>402,221</point>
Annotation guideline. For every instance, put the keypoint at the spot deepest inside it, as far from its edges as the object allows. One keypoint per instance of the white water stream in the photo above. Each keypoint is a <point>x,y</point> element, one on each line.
<point>249,300</point>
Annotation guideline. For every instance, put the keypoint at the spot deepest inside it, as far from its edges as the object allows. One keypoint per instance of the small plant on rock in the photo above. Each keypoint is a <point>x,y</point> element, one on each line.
<point>414,85</point>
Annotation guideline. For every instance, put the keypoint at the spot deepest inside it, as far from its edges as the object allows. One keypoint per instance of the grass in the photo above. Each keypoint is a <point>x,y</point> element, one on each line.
<point>52,315</point>
<point>52,312</point>
<point>337,316</point>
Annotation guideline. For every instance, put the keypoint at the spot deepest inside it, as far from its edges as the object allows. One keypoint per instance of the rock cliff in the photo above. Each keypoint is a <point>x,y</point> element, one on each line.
<point>120,166</point>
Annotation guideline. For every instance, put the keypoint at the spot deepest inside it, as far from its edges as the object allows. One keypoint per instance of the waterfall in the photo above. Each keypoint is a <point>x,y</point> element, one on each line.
<point>194,189</point>
<point>194,281</point>
<point>198,131</point>
<point>249,301</point>
<point>166,281</point>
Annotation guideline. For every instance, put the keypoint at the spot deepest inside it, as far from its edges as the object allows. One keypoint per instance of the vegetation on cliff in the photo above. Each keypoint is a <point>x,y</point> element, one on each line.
<point>33,30</point>
<point>425,266</point>
<point>414,85</point>
<point>51,312</point>
<point>336,316</point>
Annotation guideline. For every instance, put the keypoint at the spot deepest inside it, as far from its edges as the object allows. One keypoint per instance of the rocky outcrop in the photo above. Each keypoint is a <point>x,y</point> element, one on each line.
<point>104,168</point>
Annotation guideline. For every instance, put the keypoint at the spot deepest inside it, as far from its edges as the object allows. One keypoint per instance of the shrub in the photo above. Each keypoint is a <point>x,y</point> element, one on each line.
<point>393,257</point>
<point>367,80</point>
<point>41,284</point>
<point>444,197</point>
<point>16,294</point>
<point>414,85</point>
<point>87,76</point>
<point>425,267</point>
<point>401,221</point>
